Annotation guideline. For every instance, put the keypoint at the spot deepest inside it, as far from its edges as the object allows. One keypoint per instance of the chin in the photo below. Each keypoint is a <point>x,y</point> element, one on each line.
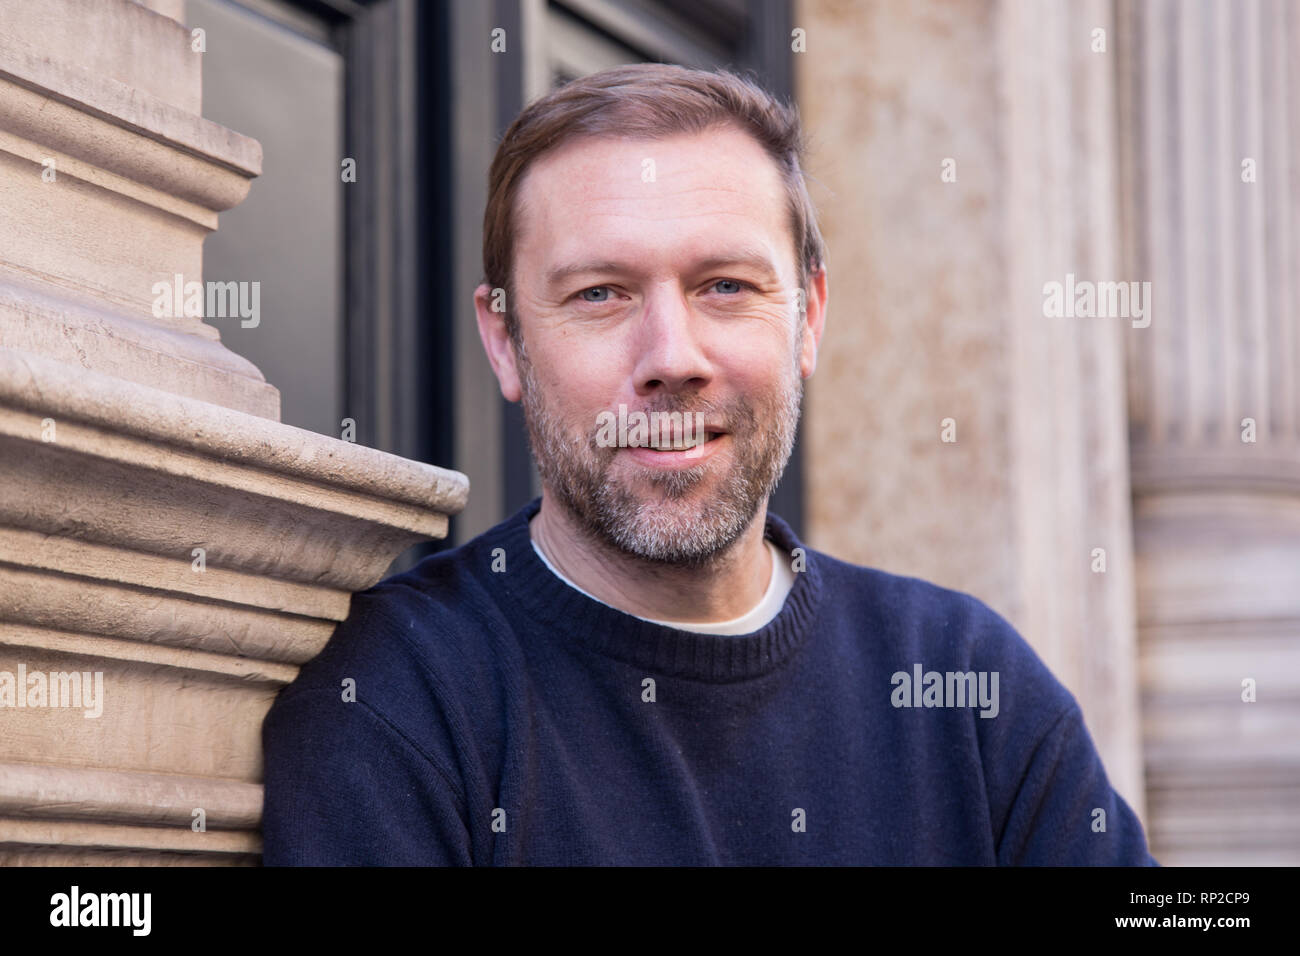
<point>674,492</point>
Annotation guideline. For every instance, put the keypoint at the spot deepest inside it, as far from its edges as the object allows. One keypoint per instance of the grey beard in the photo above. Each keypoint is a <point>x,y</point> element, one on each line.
<point>665,530</point>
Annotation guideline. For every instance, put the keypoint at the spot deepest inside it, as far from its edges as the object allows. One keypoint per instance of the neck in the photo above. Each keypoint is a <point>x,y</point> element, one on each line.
<point>729,586</point>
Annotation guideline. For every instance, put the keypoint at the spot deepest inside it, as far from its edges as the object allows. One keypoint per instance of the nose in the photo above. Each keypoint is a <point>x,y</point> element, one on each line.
<point>670,354</point>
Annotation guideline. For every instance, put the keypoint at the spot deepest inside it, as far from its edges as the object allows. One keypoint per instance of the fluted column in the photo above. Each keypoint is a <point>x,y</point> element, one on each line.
<point>1210,136</point>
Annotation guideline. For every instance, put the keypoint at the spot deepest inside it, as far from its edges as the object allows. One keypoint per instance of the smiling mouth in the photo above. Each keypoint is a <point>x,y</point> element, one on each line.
<point>681,443</point>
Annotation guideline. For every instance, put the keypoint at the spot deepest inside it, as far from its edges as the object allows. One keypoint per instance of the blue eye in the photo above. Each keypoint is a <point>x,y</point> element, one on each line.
<point>595,288</point>
<point>731,282</point>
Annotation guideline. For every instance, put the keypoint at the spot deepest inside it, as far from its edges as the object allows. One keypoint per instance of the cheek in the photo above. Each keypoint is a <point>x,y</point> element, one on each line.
<point>574,395</point>
<point>576,374</point>
<point>761,338</point>
<point>759,364</point>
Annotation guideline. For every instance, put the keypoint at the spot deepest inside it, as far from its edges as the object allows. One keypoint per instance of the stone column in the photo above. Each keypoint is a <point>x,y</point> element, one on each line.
<point>1210,140</point>
<point>965,157</point>
<point>169,552</point>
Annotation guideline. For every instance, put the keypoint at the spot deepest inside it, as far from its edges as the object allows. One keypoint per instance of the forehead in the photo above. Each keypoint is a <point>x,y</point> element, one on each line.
<point>704,187</point>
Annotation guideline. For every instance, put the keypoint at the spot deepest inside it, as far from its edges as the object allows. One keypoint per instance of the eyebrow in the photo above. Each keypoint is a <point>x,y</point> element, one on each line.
<point>745,257</point>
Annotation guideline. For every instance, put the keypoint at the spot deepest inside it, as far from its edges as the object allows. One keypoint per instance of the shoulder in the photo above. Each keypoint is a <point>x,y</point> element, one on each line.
<point>907,621</point>
<point>895,622</point>
<point>421,651</point>
<point>914,612</point>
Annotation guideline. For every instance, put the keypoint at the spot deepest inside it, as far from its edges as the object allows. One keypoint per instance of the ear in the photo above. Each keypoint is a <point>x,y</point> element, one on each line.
<point>815,320</point>
<point>496,342</point>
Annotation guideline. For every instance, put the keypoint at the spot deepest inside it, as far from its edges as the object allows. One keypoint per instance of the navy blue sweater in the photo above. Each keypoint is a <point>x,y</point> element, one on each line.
<point>503,717</point>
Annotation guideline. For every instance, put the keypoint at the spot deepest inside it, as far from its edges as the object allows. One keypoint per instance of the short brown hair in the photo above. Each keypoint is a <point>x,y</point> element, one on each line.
<point>649,100</point>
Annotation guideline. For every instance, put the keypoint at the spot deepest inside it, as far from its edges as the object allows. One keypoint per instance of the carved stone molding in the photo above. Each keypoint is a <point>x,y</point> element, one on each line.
<point>107,489</point>
<point>170,553</point>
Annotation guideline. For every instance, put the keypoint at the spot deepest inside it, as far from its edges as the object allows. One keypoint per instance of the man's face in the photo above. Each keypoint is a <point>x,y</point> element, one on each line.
<point>659,275</point>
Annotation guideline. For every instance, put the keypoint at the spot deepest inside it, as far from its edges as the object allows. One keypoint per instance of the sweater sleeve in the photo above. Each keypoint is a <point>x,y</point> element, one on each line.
<point>344,787</point>
<point>1065,812</point>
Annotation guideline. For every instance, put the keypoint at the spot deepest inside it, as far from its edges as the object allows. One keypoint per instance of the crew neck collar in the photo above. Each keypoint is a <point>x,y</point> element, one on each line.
<point>542,600</point>
<point>774,586</point>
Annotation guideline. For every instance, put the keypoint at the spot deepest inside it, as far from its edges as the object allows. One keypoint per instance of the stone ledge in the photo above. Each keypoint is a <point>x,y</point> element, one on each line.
<point>128,107</point>
<point>103,796</point>
<point>143,651</point>
<point>223,437</point>
<point>148,625</point>
<point>41,318</point>
<point>95,836</point>
<point>1267,466</point>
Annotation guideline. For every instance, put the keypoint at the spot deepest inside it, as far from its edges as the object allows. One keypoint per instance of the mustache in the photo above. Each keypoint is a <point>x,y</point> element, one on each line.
<point>692,413</point>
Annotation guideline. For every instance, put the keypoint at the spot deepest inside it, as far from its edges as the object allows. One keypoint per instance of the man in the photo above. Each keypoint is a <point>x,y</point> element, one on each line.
<point>644,666</point>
